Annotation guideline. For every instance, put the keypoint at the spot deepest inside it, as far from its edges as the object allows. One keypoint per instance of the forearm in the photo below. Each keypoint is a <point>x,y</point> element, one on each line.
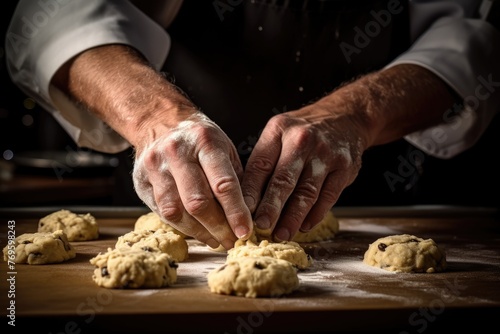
<point>392,103</point>
<point>119,86</point>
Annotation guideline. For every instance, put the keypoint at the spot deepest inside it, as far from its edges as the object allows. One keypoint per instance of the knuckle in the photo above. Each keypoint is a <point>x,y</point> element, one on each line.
<point>171,213</point>
<point>284,179</point>
<point>261,164</point>
<point>303,135</point>
<point>307,191</point>
<point>196,205</point>
<point>226,185</point>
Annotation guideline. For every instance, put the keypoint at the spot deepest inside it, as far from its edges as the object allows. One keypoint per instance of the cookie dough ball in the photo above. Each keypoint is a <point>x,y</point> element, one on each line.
<point>406,253</point>
<point>254,277</point>
<point>40,248</point>
<point>78,227</point>
<point>160,240</point>
<point>123,268</point>
<point>152,221</point>
<point>287,250</point>
<point>326,229</point>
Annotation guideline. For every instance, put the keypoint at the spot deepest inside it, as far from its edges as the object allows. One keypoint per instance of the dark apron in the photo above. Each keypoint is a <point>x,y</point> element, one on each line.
<point>243,63</point>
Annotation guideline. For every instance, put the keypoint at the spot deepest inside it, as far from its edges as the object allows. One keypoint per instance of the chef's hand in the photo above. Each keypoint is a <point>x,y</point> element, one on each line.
<point>305,158</point>
<point>300,164</point>
<point>190,176</point>
<point>186,169</point>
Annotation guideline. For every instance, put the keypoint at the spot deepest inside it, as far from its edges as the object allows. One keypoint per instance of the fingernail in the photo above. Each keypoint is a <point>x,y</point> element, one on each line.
<point>282,234</point>
<point>212,243</point>
<point>263,223</point>
<point>249,201</point>
<point>241,231</point>
<point>305,228</point>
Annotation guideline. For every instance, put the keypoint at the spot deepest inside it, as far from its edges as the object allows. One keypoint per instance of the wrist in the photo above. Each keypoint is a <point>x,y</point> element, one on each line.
<point>116,84</point>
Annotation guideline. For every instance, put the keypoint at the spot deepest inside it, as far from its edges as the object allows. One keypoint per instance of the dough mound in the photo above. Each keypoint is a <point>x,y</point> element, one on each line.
<point>41,248</point>
<point>286,250</point>
<point>253,277</point>
<point>326,229</point>
<point>123,268</point>
<point>160,240</point>
<point>406,253</point>
<point>78,227</point>
<point>152,221</point>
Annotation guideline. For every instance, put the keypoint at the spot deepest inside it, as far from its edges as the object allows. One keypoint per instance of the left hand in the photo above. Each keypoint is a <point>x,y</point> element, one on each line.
<point>300,165</point>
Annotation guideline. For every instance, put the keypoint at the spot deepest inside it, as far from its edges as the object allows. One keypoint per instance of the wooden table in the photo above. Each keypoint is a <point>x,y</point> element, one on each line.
<point>339,294</point>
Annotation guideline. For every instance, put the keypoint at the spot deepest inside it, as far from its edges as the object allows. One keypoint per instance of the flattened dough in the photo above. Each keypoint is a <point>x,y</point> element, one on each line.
<point>78,227</point>
<point>326,229</point>
<point>253,277</point>
<point>286,250</point>
<point>41,248</point>
<point>406,253</point>
<point>123,268</point>
<point>152,221</point>
<point>160,240</point>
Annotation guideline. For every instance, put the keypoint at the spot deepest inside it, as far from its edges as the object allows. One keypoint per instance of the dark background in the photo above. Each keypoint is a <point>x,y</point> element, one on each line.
<point>470,179</point>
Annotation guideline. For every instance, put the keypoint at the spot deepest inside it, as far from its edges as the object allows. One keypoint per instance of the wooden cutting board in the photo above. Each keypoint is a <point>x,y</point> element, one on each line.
<point>337,294</point>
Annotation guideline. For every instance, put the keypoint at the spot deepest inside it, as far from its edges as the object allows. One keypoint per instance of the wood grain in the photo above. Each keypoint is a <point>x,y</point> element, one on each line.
<point>337,294</point>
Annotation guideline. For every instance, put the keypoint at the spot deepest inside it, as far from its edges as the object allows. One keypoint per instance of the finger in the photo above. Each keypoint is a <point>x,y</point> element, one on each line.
<point>222,176</point>
<point>279,188</point>
<point>168,205</point>
<point>199,201</point>
<point>333,186</point>
<point>260,167</point>
<point>302,199</point>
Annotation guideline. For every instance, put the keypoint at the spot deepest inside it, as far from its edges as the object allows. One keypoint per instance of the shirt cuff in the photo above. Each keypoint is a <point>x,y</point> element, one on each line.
<point>463,53</point>
<point>35,51</point>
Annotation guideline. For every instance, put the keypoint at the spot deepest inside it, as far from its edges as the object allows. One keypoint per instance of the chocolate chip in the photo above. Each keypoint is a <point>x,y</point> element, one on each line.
<point>258,265</point>
<point>173,264</point>
<point>147,249</point>
<point>129,243</point>
<point>104,271</point>
<point>382,246</point>
<point>66,245</point>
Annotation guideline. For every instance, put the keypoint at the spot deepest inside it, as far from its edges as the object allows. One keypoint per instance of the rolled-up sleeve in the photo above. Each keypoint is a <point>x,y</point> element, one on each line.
<point>464,52</point>
<point>45,34</point>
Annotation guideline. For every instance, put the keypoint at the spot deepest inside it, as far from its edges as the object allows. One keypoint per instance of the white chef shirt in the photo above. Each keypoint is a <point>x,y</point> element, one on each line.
<point>447,40</point>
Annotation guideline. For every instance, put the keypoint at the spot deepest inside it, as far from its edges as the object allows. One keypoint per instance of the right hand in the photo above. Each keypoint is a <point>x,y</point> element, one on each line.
<point>190,175</point>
